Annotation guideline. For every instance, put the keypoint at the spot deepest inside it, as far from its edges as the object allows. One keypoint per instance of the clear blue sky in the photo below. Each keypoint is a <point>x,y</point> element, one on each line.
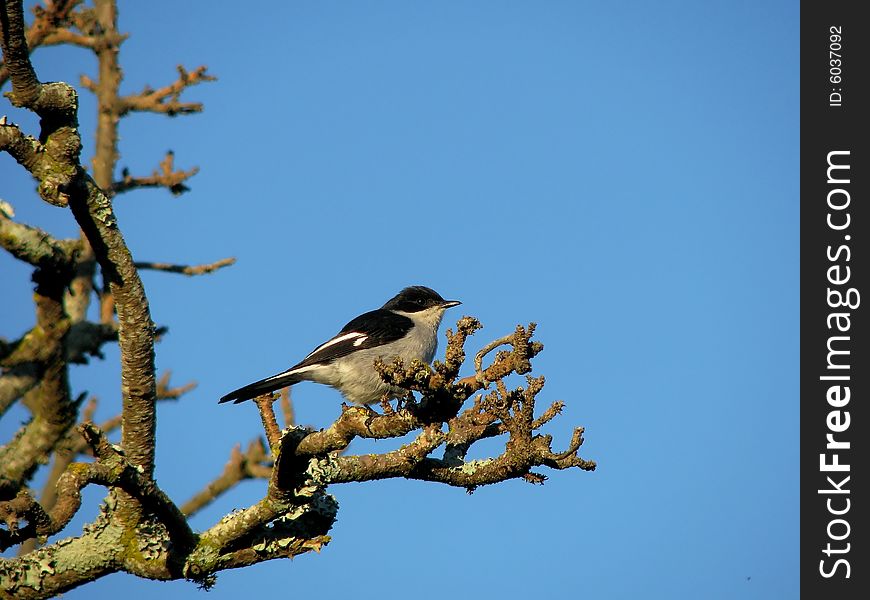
<point>623,173</point>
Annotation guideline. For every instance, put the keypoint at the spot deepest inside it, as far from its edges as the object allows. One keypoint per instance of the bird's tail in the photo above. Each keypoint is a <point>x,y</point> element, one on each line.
<point>264,386</point>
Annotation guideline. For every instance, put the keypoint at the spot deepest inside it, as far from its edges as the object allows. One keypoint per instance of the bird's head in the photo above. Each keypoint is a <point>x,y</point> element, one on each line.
<point>419,298</point>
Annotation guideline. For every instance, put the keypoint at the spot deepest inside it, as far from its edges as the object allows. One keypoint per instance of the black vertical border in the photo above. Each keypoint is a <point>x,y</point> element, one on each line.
<point>831,126</point>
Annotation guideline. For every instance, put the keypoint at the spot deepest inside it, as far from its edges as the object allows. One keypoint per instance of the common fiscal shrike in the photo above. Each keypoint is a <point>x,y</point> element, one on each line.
<point>405,327</point>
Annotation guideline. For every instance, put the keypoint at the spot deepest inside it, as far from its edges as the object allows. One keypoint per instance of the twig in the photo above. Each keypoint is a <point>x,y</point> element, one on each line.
<point>166,99</point>
<point>35,246</point>
<point>238,468</point>
<point>287,407</point>
<point>166,177</point>
<point>189,270</point>
<point>165,392</point>
<point>267,415</point>
<point>478,359</point>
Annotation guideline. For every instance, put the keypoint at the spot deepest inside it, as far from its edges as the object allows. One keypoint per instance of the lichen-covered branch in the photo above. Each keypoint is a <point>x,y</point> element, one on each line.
<point>54,412</point>
<point>111,470</point>
<point>63,181</point>
<point>501,411</point>
<point>35,246</point>
<point>140,529</point>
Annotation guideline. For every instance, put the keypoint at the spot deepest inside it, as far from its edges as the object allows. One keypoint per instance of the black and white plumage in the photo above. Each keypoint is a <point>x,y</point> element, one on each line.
<point>405,327</point>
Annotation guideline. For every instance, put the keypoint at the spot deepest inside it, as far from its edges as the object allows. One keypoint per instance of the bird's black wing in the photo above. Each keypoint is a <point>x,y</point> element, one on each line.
<point>369,330</point>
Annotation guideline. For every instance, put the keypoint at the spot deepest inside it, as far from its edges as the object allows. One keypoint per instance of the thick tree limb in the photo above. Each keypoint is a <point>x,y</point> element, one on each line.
<point>57,104</point>
<point>26,150</point>
<point>46,26</point>
<point>111,470</point>
<point>35,246</point>
<point>26,88</point>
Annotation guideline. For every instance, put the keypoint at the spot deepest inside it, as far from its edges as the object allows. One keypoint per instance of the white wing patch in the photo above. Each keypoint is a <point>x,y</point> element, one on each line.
<point>340,338</point>
<point>275,376</point>
<point>300,370</point>
<point>292,372</point>
<point>360,340</point>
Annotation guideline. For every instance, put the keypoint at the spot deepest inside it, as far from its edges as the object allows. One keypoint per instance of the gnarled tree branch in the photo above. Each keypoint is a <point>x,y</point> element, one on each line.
<point>140,530</point>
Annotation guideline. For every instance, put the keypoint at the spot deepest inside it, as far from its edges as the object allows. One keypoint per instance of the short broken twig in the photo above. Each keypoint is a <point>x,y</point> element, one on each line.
<point>270,424</point>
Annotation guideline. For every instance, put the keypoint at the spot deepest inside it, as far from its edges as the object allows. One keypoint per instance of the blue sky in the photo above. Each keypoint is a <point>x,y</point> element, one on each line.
<point>625,174</point>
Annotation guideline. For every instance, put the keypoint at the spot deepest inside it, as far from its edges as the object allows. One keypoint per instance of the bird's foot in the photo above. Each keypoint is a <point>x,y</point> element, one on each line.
<point>385,404</point>
<point>373,414</point>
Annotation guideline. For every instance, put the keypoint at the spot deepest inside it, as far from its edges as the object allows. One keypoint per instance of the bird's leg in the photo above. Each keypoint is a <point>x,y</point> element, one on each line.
<point>385,404</point>
<point>373,414</point>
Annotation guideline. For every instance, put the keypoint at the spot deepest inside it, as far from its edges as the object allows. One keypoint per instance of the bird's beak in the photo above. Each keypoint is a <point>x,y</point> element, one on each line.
<point>450,303</point>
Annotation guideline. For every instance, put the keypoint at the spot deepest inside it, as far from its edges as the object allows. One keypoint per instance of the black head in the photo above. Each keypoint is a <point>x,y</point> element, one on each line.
<point>417,298</point>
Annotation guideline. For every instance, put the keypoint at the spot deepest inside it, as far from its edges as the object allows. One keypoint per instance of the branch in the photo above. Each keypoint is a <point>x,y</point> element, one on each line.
<point>111,469</point>
<point>25,86</point>
<point>166,177</point>
<point>65,454</point>
<point>505,364</point>
<point>140,530</point>
<point>15,382</point>
<point>54,102</point>
<point>166,392</point>
<point>63,35</point>
<point>34,246</point>
<point>24,361</point>
<point>54,412</point>
<point>63,180</point>
<point>73,445</point>
<point>287,408</point>
<point>502,411</point>
<point>45,29</point>
<point>166,99</point>
<point>189,270</point>
<point>307,462</point>
<point>265,531</point>
<point>294,510</point>
<point>86,339</point>
<point>270,424</point>
<point>25,149</point>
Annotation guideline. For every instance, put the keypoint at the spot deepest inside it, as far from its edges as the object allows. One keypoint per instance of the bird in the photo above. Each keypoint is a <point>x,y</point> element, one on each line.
<point>405,327</point>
